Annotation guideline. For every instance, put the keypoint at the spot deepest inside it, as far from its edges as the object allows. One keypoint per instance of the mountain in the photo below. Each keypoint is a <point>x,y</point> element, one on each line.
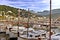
<point>54,16</point>
<point>24,13</point>
<point>55,13</point>
<point>14,11</point>
<point>46,12</point>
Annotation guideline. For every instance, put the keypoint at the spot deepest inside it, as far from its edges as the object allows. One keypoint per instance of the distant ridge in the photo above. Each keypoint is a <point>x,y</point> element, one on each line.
<point>55,13</point>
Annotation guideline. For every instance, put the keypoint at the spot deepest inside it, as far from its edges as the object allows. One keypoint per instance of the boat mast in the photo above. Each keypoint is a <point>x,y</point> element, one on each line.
<point>28,24</point>
<point>18,20</point>
<point>50,20</point>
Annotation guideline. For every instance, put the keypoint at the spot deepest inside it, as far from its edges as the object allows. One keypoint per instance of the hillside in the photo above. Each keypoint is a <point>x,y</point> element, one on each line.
<point>24,13</point>
<point>7,8</point>
<point>14,11</point>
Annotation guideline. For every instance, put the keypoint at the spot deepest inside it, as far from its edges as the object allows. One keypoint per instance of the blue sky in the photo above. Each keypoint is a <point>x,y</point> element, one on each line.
<point>36,5</point>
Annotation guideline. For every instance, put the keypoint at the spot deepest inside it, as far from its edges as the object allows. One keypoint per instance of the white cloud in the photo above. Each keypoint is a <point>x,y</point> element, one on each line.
<point>32,4</point>
<point>55,4</point>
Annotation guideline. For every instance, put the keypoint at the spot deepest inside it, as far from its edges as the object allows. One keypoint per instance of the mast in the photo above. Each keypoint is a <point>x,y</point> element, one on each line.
<point>18,20</point>
<point>50,21</point>
<point>28,23</point>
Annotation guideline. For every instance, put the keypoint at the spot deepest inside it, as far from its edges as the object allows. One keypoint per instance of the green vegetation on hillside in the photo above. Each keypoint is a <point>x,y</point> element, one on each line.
<point>14,11</point>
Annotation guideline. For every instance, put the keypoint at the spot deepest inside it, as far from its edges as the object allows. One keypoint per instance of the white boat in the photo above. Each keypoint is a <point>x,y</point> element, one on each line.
<point>30,36</point>
<point>33,35</point>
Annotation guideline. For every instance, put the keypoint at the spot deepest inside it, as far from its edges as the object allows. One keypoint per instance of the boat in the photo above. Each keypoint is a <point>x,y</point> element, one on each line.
<point>33,35</point>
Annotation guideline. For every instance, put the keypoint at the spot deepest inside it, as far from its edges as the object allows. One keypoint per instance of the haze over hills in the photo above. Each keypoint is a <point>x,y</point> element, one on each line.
<point>55,13</point>
<point>46,12</point>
